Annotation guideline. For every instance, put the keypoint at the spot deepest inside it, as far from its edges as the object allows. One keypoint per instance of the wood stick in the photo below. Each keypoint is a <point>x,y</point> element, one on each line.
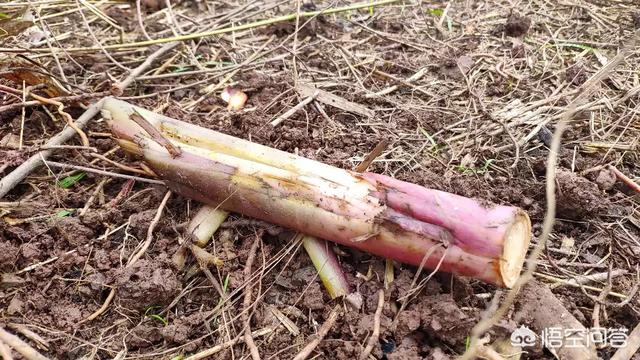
<point>294,109</point>
<point>633,345</point>
<point>118,88</point>
<point>246,311</point>
<point>535,296</point>
<point>18,174</point>
<point>376,327</point>
<point>59,99</point>
<point>328,98</point>
<point>100,172</point>
<point>324,330</point>
<point>10,181</point>
<point>214,350</point>
<point>20,346</point>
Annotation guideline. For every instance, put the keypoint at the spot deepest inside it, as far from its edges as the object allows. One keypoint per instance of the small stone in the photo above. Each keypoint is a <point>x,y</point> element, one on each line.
<point>10,141</point>
<point>15,306</point>
<point>355,300</point>
<point>606,179</point>
<point>636,20</point>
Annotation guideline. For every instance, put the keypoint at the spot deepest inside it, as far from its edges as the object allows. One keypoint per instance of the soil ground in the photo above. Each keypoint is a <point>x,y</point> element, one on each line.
<point>494,78</point>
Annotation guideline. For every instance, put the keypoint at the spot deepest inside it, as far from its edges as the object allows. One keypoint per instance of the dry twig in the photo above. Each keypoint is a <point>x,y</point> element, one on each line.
<point>216,349</point>
<point>20,346</point>
<point>247,308</point>
<point>18,174</point>
<point>324,330</point>
<point>376,327</point>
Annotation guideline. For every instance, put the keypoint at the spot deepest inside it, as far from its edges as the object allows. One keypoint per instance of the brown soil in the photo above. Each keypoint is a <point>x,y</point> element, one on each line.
<point>452,129</point>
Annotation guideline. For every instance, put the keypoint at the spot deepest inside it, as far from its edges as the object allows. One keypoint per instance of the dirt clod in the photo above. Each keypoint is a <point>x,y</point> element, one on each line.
<point>72,230</point>
<point>8,253</point>
<point>143,336</point>
<point>146,283</point>
<point>577,74</point>
<point>577,196</point>
<point>517,25</point>
<point>636,20</point>
<point>442,317</point>
<point>606,179</point>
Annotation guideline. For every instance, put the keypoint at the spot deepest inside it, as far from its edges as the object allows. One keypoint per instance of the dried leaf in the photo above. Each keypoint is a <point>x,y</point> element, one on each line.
<point>10,280</point>
<point>10,141</point>
<point>13,27</point>
<point>19,70</point>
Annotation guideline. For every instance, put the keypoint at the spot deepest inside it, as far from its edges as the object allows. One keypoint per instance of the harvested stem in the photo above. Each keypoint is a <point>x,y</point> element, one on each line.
<point>20,346</point>
<point>370,212</point>
<point>327,266</point>
<point>246,312</point>
<point>199,230</point>
<point>205,223</point>
<point>324,330</point>
<point>18,174</point>
<point>376,327</point>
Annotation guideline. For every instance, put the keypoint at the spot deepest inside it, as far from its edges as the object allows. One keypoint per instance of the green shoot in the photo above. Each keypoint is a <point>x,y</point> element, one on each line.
<point>572,45</point>
<point>439,13</point>
<point>471,171</point>
<point>436,12</point>
<point>180,68</point>
<point>225,286</point>
<point>63,213</point>
<point>427,135</point>
<point>70,180</point>
<point>148,313</point>
<point>435,148</point>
